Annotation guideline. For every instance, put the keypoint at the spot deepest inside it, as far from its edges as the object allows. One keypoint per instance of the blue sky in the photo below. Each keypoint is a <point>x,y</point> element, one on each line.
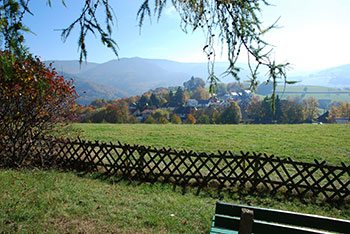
<point>313,34</point>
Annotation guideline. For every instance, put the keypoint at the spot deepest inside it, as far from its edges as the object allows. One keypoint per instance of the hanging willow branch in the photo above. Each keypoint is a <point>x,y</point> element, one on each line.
<point>234,23</point>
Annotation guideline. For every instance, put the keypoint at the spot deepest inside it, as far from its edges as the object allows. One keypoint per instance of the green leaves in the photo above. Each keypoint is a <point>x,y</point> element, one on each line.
<point>237,25</point>
<point>88,22</point>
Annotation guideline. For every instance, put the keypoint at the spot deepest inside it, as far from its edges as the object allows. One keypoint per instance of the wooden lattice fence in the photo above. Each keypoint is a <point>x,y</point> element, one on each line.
<point>257,172</point>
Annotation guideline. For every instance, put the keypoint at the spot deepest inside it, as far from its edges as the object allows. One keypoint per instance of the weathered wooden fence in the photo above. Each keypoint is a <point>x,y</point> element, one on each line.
<point>257,172</point>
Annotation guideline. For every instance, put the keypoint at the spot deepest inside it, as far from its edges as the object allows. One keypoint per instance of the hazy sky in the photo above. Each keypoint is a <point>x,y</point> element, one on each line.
<point>314,34</point>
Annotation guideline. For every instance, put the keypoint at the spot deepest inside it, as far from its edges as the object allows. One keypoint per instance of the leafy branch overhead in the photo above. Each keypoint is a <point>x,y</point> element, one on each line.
<point>234,23</point>
<point>88,22</point>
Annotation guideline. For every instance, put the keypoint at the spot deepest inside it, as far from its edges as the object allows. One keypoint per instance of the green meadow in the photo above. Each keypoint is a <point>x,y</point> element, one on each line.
<point>304,142</point>
<point>35,201</point>
<point>318,92</point>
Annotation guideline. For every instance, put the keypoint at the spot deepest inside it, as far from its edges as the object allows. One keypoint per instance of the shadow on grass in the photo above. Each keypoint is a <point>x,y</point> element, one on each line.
<point>244,195</point>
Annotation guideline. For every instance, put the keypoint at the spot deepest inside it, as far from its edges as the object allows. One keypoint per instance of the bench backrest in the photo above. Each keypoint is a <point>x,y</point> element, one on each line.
<point>277,221</point>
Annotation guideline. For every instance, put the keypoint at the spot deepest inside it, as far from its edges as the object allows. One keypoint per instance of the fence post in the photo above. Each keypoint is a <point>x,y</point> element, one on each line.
<point>256,169</point>
<point>140,162</point>
<point>244,172</point>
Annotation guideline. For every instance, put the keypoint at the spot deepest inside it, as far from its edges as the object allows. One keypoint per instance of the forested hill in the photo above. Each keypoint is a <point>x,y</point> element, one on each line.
<point>133,76</point>
<point>331,77</point>
<point>89,91</point>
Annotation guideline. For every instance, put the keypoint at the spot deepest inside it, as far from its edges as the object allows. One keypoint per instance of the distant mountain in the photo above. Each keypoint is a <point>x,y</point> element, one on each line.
<point>71,66</point>
<point>134,76</point>
<point>88,91</point>
<point>137,75</point>
<point>332,77</point>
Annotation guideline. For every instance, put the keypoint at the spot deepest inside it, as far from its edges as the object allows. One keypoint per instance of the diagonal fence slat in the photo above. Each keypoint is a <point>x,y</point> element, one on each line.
<point>255,171</point>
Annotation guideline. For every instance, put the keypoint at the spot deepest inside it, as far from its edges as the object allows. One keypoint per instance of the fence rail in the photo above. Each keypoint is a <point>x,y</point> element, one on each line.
<point>225,170</point>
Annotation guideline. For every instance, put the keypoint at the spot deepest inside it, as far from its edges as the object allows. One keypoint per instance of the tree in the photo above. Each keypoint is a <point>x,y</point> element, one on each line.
<point>190,119</point>
<point>221,89</point>
<point>143,103</point>
<point>35,102</point>
<point>163,120</point>
<point>267,115</point>
<point>237,22</point>
<point>180,97</point>
<point>215,117</point>
<point>158,114</point>
<point>231,115</point>
<point>204,119</point>
<point>155,100</point>
<point>200,94</point>
<point>340,111</point>
<point>310,109</point>
<point>176,119</point>
<point>132,119</point>
<point>234,87</point>
<point>150,120</point>
<point>193,84</point>
<point>292,112</point>
<point>254,110</point>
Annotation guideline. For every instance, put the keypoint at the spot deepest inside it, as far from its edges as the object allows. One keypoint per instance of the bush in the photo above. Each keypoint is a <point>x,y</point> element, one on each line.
<point>176,119</point>
<point>132,119</point>
<point>191,119</point>
<point>150,120</point>
<point>163,120</point>
<point>35,102</point>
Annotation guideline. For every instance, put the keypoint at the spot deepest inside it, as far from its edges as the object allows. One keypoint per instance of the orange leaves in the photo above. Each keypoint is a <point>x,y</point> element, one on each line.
<point>36,97</point>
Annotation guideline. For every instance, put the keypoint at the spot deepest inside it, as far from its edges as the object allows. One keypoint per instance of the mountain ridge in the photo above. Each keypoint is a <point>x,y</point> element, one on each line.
<point>133,76</point>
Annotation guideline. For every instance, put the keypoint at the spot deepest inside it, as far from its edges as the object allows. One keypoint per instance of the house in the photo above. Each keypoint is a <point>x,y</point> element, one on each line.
<point>342,120</point>
<point>191,103</point>
<point>241,95</point>
<point>146,113</point>
<point>225,104</point>
<point>204,103</point>
<point>225,97</point>
<point>323,118</point>
<point>132,107</point>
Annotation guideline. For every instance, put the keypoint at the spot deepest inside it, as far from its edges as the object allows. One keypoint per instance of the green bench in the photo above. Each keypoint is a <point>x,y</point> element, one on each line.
<point>233,219</point>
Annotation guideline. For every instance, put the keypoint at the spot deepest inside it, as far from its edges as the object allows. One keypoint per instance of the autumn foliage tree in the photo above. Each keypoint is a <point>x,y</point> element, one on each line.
<point>176,119</point>
<point>339,111</point>
<point>35,102</point>
<point>191,119</point>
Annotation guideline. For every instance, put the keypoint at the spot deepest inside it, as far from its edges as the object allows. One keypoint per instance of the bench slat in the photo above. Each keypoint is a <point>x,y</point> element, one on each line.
<point>225,223</point>
<point>286,217</point>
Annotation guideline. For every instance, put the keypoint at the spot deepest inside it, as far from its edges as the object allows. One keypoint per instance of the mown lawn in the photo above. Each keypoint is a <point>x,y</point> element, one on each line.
<point>305,142</point>
<point>34,201</point>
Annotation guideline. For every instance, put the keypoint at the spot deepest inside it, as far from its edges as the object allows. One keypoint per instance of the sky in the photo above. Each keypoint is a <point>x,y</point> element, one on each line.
<point>312,34</point>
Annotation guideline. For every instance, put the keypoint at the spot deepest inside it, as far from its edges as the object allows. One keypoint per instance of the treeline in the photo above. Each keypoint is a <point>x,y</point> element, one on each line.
<point>192,104</point>
<point>289,111</point>
<point>119,111</point>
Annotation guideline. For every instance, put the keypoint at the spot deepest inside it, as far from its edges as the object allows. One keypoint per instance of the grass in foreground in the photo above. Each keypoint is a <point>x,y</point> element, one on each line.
<point>304,142</point>
<point>53,202</point>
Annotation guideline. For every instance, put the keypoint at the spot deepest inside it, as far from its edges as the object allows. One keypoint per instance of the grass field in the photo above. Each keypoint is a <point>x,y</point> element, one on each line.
<point>35,201</point>
<point>304,142</point>
<point>54,202</point>
<point>318,92</point>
